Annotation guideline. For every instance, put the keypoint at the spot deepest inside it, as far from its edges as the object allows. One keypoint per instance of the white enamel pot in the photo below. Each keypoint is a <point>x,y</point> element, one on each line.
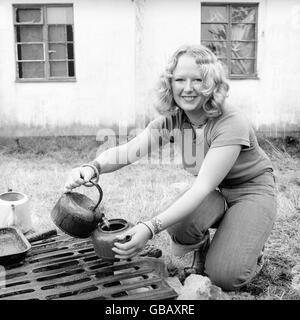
<point>15,211</point>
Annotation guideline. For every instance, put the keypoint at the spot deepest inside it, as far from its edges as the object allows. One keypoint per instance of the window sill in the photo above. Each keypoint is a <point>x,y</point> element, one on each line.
<point>244,78</point>
<point>45,80</point>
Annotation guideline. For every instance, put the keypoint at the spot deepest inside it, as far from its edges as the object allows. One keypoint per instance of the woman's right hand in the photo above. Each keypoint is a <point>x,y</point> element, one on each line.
<point>77,177</point>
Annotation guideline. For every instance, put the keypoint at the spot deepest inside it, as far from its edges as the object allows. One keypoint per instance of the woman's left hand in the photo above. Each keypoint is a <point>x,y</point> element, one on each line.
<point>140,235</point>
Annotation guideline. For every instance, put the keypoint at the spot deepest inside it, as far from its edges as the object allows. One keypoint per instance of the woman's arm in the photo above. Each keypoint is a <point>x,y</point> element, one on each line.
<point>216,165</point>
<point>113,159</point>
<point>117,157</point>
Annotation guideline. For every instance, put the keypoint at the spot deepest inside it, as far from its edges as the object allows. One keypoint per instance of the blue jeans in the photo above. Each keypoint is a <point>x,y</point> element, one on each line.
<point>242,227</point>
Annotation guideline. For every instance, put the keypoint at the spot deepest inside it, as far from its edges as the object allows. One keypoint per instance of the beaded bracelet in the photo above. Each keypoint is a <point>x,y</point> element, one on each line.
<point>157,225</point>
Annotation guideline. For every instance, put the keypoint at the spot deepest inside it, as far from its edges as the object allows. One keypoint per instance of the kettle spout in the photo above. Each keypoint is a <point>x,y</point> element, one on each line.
<point>106,222</point>
<point>100,217</point>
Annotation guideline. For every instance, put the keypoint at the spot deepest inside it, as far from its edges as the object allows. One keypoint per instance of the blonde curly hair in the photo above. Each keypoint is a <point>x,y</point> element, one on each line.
<point>215,87</point>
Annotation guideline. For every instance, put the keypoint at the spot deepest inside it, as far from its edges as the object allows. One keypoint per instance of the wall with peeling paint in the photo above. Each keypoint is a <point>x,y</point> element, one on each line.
<point>272,102</point>
<point>121,47</point>
<point>104,60</point>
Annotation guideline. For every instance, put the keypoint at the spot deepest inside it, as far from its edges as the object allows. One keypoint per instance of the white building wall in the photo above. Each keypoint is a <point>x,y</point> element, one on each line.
<point>121,47</point>
<point>104,60</point>
<point>272,101</point>
<point>167,24</point>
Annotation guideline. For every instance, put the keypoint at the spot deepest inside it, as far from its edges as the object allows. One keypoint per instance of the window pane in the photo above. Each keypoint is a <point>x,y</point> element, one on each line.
<point>57,51</point>
<point>218,48</point>
<point>225,66</point>
<point>29,34</point>
<point>69,33</point>
<point>70,51</point>
<point>214,14</point>
<point>58,69</point>
<point>71,68</point>
<point>57,33</point>
<point>60,15</point>
<point>243,14</point>
<point>30,52</point>
<point>242,32</point>
<point>31,41</point>
<point>213,32</point>
<point>28,15</point>
<point>31,70</point>
<point>243,49</point>
<point>242,67</point>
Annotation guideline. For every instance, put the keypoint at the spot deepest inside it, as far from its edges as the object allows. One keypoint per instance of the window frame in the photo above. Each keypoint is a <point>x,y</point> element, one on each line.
<point>45,42</point>
<point>228,41</point>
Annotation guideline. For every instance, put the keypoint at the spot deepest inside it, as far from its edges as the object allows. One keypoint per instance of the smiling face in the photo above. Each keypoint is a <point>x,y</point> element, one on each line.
<point>187,84</point>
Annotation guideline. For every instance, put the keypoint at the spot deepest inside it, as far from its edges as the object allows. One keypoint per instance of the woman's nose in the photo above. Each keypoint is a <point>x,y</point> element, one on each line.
<point>188,87</point>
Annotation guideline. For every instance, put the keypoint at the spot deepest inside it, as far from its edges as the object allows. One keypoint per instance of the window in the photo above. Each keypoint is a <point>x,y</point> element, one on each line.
<point>44,42</point>
<point>230,31</point>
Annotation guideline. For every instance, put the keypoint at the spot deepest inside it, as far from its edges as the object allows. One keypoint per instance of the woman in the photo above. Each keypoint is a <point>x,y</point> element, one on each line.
<point>234,189</point>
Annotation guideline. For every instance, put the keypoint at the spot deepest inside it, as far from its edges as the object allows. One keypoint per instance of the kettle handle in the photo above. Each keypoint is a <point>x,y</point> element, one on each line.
<point>93,184</point>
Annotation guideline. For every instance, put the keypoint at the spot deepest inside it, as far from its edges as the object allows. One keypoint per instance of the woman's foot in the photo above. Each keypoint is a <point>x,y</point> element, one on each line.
<point>199,257</point>
<point>260,261</point>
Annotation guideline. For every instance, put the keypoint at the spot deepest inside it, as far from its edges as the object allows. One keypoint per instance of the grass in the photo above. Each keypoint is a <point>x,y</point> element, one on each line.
<point>39,168</point>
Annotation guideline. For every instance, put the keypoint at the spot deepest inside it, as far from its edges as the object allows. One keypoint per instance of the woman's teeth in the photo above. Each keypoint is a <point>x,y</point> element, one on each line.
<point>188,98</point>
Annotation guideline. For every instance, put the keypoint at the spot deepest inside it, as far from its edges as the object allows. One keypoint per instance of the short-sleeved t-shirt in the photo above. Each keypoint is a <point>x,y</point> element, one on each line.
<point>231,128</point>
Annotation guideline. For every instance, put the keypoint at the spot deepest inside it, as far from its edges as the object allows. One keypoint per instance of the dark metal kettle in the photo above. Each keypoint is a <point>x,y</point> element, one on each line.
<point>76,214</point>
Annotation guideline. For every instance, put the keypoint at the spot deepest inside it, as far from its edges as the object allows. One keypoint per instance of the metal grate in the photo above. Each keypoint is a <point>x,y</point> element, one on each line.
<point>63,267</point>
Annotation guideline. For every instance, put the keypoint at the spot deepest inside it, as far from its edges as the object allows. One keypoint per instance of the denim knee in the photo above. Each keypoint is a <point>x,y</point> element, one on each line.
<point>227,276</point>
<point>193,228</point>
<point>185,233</point>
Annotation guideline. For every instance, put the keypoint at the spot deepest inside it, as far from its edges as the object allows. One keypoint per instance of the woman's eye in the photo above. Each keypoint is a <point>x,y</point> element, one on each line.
<point>198,80</point>
<point>179,80</point>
